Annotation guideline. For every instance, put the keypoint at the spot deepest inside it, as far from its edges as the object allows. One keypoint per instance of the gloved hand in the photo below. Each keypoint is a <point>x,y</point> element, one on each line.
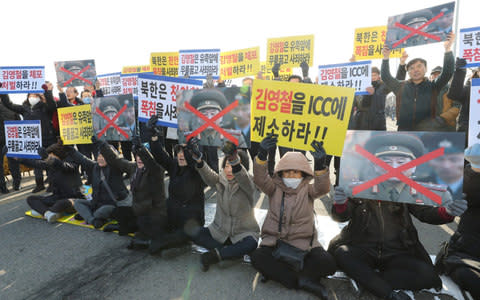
<point>194,149</point>
<point>304,67</point>
<point>229,148</point>
<point>276,70</point>
<point>136,144</point>
<point>456,207</point>
<point>42,152</point>
<point>45,87</point>
<point>460,63</point>
<point>94,139</point>
<point>340,196</point>
<point>152,126</point>
<point>319,156</point>
<point>268,143</point>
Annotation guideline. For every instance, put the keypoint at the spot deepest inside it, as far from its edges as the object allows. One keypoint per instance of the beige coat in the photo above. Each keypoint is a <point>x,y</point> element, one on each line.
<point>234,216</point>
<point>298,223</point>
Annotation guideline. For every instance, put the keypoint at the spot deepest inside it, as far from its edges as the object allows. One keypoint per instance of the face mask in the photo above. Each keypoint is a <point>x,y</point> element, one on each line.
<point>33,100</point>
<point>292,182</point>
<point>87,100</point>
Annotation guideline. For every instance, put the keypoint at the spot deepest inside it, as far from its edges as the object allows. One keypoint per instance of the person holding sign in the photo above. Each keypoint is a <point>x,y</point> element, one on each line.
<point>417,98</point>
<point>290,252</point>
<point>14,167</point>
<point>380,234</point>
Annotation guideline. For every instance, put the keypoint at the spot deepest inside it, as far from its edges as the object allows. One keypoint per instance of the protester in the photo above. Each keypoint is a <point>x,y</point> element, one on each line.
<point>37,107</point>
<point>460,258</point>
<point>380,235</point>
<point>13,165</point>
<point>234,230</point>
<point>290,221</point>
<point>416,98</point>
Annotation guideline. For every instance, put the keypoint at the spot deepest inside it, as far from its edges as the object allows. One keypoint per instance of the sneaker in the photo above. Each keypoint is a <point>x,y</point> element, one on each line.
<point>35,213</point>
<point>38,188</point>
<point>51,216</point>
<point>97,223</point>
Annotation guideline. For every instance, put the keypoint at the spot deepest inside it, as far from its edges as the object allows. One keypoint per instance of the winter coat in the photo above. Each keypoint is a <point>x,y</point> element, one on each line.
<point>298,224</point>
<point>234,215</point>
<point>40,111</point>
<point>5,115</point>
<point>416,103</point>
<point>113,177</point>
<point>461,93</point>
<point>371,109</point>
<point>147,186</point>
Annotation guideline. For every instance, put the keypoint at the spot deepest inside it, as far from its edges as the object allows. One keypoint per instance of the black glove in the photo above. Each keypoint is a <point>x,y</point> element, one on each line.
<point>267,144</point>
<point>304,67</point>
<point>136,144</point>
<point>94,139</point>
<point>42,152</point>
<point>275,70</point>
<point>152,126</point>
<point>194,148</point>
<point>229,148</point>
<point>319,156</point>
<point>460,63</point>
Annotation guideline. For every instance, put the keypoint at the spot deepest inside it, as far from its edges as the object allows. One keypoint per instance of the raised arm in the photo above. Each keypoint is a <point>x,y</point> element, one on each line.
<point>448,64</point>
<point>391,83</point>
<point>19,109</point>
<point>115,160</point>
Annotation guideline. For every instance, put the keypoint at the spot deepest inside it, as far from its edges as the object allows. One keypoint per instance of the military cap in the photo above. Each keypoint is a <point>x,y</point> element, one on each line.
<point>417,16</point>
<point>402,144</point>
<point>453,143</point>
<point>109,105</point>
<point>209,98</point>
<point>437,69</point>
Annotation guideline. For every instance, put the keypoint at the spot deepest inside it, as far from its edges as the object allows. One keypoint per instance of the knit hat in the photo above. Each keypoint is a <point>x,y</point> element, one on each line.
<point>472,155</point>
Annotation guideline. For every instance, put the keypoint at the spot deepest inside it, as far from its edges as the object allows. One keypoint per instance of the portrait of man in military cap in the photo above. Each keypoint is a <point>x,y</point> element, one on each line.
<point>394,149</point>
<point>110,107</point>
<point>75,67</point>
<point>209,102</point>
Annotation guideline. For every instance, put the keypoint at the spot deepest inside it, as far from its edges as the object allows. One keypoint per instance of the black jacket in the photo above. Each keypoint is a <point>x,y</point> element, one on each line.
<point>5,115</point>
<point>113,177</point>
<point>371,109</point>
<point>461,93</point>
<point>40,111</point>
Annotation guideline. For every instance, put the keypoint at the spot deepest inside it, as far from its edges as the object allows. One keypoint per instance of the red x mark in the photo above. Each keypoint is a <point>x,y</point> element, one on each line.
<point>76,75</point>
<point>211,122</point>
<point>418,30</point>
<point>397,172</point>
<point>112,122</point>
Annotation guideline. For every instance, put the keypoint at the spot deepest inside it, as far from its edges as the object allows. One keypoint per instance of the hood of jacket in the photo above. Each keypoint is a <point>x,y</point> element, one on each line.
<point>293,161</point>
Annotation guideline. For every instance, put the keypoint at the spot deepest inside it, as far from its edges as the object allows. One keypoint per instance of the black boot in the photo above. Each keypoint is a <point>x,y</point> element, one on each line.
<point>398,295</point>
<point>3,188</point>
<point>111,227</point>
<point>39,187</point>
<point>313,287</point>
<point>16,186</point>
<point>209,258</point>
<point>138,244</point>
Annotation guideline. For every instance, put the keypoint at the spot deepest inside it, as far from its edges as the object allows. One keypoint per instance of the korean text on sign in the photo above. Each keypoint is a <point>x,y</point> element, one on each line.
<point>75,124</point>
<point>290,51</point>
<point>136,69</point>
<point>355,75</point>
<point>300,113</point>
<point>158,95</point>
<point>239,63</point>
<point>110,84</point>
<point>23,138</point>
<point>369,41</point>
<point>129,84</point>
<point>474,126</point>
<point>199,63</point>
<point>22,79</point>
<point>284,73</point>
<point>164,63</point>
<point>470,46</point>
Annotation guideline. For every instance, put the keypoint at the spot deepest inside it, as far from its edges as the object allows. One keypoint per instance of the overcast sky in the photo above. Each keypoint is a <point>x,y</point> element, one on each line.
<point>120,33</point>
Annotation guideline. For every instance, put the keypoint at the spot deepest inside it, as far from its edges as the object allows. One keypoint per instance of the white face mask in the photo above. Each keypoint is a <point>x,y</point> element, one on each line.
<point>33,100</point>
<point>87,100</point>
<point>292,182</point>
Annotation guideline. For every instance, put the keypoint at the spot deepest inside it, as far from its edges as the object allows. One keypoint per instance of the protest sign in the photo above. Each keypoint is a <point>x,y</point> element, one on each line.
<point>290,51</point>
<point>470,46</point>
<point>284,73</point>
<point>356,75</point>
<point>75,73</point>
<point>301,113</point>
<point>214,116</point>
<point>75,124</point>
<point>114,118</point>
<point>110,84</point>
<point>136,69</point>
<point>426,26</point>
<point>22,80</point>
<point>23,138</point>
<point>409,167</point>
<point>369,41</point>
<point>164,63</point>
<point>239,63</point>
<point>129,84</point>
<point>158,96</point>
<point>474,118</point>
<point>199,63</point>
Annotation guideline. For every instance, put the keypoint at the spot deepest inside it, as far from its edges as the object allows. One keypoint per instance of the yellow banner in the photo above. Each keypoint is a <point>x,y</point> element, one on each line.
<point>301,113</point>
<point>284,73</point>
<point>136,69</point>
<point>239,63</point>
<point>164,63</point>
<point>290,51</point>
<point>369,41</point>
<point>75,124</point>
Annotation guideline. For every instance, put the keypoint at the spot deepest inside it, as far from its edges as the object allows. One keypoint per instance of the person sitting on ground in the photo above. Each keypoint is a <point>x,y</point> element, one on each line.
<point>234,231</point>
<point>290,221</point>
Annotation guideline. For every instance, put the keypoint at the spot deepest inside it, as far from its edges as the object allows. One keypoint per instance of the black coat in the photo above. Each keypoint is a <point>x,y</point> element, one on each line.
<point>461,93</point>
<point>5,115</point>
<point>186,199</point>
<point>371,109</point>
<point>40,111</point>
<point>113,177</point>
